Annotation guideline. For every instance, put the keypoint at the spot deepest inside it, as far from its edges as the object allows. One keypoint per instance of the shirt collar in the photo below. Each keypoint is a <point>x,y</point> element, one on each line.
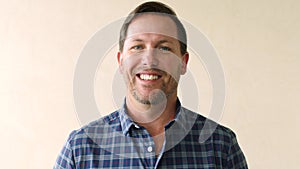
<point>127,122</point>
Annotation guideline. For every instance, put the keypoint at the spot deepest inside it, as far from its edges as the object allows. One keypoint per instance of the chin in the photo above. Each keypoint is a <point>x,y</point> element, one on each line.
<point>153,98</point>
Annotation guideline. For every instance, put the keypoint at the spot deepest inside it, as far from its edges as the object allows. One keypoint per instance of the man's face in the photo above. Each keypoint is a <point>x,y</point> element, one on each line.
<point>151,61</point>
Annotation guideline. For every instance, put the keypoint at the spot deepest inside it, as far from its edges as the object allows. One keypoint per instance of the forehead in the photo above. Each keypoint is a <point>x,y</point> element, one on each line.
<point>154,24</point>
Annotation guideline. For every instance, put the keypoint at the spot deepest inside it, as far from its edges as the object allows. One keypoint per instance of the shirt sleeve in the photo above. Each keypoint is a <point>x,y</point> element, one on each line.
<point>65,159</point>
<point>235,158</point>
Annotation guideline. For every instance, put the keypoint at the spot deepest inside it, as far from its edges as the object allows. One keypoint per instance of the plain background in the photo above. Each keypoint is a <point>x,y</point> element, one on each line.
<point>257,41</point>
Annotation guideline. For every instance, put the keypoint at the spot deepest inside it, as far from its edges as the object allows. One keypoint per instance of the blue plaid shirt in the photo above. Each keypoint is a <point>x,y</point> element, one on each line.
<point>115,141</point>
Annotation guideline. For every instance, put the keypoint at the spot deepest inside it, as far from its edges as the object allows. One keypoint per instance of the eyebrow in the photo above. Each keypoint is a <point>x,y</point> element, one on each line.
<point>165,41</point>
<point>136,40</point>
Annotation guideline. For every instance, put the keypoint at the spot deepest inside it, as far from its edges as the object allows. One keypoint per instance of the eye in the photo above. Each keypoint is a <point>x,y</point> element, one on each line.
<point>137,47</point>
<point>164,48</point>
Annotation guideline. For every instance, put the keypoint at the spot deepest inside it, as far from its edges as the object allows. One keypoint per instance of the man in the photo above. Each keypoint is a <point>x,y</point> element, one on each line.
<point>152,129</point>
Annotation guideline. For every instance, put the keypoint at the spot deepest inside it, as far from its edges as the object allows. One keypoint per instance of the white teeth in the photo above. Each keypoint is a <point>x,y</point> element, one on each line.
<point>148,77</point>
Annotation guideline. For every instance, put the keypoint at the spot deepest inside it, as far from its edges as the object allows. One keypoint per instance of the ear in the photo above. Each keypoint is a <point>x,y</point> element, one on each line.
<point>119,57</point>
<point>185,60</point>
<point>120,60</point>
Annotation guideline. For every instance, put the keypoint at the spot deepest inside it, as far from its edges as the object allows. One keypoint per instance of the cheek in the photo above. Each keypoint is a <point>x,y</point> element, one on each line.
<point>171,65</point>
<point>130,63</point>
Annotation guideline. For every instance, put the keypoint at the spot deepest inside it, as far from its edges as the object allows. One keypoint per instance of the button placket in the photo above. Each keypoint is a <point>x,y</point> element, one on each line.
<point>149,146</point>
<point>149,149</point>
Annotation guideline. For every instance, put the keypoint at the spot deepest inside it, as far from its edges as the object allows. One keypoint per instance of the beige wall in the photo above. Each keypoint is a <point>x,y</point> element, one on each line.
<point>257,41</point>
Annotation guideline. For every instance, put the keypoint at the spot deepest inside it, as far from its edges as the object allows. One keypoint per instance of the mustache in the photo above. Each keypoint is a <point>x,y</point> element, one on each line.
<point>148,69</point>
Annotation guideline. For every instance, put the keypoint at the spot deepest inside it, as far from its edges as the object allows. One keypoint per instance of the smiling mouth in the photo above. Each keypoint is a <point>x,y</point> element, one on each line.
<point>148,77</point>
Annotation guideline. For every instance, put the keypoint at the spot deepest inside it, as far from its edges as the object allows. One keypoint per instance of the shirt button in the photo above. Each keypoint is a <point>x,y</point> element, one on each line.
<point>149,149</point>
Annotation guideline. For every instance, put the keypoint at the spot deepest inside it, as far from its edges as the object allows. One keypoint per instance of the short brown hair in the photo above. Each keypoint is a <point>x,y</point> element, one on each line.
<point>155,7</point>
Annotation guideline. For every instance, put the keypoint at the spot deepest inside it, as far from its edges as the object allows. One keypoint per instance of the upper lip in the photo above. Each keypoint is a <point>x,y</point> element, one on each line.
<point>149,73</point>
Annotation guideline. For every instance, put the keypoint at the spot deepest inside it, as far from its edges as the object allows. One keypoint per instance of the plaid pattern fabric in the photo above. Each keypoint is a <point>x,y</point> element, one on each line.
<point>115,141</point>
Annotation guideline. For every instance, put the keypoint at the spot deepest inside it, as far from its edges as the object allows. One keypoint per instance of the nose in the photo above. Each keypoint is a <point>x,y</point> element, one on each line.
<point>150,58</point>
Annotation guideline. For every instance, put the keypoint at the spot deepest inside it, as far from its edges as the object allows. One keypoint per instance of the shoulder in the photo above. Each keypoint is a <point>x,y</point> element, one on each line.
<point>93,131</point>
<point>82,142</point>
<point>208,129</point>
<point>221,138</point>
